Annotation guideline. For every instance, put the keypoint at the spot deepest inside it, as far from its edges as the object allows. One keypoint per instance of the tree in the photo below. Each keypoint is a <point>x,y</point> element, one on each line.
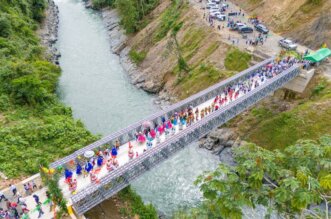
<point>37,9</point>
<point>5,26</point>
<point>128,13</point>
<point>287,182</point>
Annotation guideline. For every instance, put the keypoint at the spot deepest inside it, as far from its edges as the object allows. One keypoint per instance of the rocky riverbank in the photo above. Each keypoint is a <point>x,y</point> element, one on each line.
<point>221,142</point>
<point>48,32</point>
<point>118,45</point>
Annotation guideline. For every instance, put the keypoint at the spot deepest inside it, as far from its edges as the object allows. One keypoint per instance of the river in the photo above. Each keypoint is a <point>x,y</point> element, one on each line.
<point>98,90</point>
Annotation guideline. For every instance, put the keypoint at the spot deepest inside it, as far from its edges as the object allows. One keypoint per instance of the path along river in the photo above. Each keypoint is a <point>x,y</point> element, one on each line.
<point>98,90</point>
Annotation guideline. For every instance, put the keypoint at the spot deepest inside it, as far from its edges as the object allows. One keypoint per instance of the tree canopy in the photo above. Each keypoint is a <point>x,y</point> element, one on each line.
<point>288,183</point>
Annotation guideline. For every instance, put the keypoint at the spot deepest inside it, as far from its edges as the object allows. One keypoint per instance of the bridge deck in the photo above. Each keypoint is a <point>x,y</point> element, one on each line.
<point>114,181</point>
<point>192,100</point>
<point>89,195</point>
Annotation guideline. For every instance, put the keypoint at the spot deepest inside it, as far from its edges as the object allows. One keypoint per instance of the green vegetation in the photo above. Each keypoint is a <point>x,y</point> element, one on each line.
<point>286,183</point>
<point>192,41</point>
<point>136,56</point>
<point>136,205</point>
<point>132,12</point>
<point>34,125</point>
<point>237,60</point>
<point>315,2</point>
<point>305,121</point>
<point>200,78</point>
<point>51,179</point>
<point>271,129</point>
<point>102,3</point>
<point>169,19</point>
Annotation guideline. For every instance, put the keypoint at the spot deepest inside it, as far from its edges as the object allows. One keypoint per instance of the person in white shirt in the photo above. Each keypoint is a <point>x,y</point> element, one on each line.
<point>13,189</point>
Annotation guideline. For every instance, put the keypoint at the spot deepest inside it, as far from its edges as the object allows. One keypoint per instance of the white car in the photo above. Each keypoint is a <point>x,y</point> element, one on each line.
<point>215,14</point>
<point>239,25</point>
<point>221,17</point>
<point>210,5</point>
<point>287,44</point>
<point>213,10</point>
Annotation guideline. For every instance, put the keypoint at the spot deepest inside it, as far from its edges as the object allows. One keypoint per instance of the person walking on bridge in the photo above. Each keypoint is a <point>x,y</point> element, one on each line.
<point>13,189</point>
<point>36,198</point>
<point>40,210</point>
<point>2,196</point>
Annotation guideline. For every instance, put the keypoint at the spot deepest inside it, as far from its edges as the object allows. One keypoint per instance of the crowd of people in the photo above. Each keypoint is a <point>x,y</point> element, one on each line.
<point>151,133</point>
<point>16,204</point>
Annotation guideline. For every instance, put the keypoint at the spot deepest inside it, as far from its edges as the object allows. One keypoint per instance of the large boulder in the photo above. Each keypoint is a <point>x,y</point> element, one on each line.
<point>218,139</point>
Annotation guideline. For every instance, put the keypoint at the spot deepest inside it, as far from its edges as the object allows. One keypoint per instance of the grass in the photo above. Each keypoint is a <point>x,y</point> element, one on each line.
<point>169,18</point>
<point>237,60</point>
<point>136,205</point>
<point>136,56</point>
<point>310,119</point>
<point>200,78</point>
<point>307,121</point>
<point>192,42</point>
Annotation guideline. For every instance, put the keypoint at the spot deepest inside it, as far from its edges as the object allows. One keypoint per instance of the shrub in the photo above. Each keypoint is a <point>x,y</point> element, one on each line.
<point>5,26</point>
<point>237,60</point>
<point>136,56</point>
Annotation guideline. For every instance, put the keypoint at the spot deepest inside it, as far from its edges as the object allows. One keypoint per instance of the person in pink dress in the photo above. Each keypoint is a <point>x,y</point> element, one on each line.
<point>141,138</point>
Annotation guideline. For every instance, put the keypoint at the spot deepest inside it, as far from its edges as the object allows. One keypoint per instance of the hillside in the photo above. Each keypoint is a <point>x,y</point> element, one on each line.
<point>34,125</point>
<point>307,21</point>
<point>274,123</point>
<point>186,62</point>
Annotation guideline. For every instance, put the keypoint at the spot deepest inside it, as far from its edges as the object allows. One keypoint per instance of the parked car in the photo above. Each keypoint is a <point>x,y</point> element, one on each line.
<point>262,29</point>
<point>287,44</point>
<point>214,9</point>
<point>245,29</point>
<point>215,14</point>
<point>239,25</point>
<point>217,1</point>
<point>236,26</point>
<point>221,17</point>
<point>210,5</point>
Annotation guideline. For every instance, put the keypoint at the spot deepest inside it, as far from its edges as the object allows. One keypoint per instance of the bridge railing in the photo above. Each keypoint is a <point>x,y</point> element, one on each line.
<point>127,133</point>
<point>122,176</point>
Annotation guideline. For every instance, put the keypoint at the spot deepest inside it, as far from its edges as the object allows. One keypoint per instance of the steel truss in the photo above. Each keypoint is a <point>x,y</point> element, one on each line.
<point>121,177</point>
<point>127,133</point>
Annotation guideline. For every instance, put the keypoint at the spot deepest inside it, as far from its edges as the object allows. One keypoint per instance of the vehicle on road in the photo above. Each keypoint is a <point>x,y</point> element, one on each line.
<point>262,29</point>
<point>221,17</point>
<point>215,14</point>
<point>214,9</point>
<point>288,44</point>
<point>245,29</point>
<point>236,26</point>
<point>211,5</point>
